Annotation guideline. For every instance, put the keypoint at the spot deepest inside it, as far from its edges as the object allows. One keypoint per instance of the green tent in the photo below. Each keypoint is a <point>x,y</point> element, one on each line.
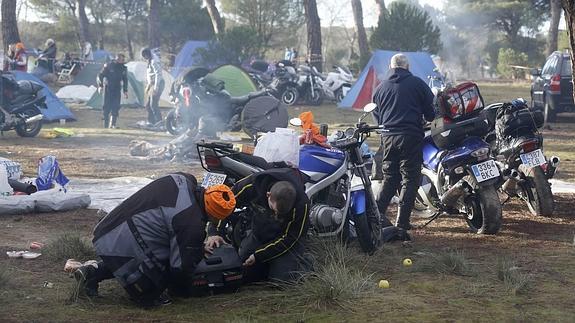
<point>237,81</point>
<point>135,95</point>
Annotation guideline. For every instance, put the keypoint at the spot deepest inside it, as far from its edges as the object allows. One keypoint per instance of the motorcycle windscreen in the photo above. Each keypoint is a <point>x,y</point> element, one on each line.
<point>264,114</point>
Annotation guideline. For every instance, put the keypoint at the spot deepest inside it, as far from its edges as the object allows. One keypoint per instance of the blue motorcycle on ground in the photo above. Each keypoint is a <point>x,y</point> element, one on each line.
<point>459,176</point>
<point>338,184</point>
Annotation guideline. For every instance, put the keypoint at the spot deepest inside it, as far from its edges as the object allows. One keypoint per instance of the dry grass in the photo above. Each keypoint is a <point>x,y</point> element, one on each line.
<point>4,277</point>
<point>69,245</point>
<point>449,261</point>
<point>515,280</point>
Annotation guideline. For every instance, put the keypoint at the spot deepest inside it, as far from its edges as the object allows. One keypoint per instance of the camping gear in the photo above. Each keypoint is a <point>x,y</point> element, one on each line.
<point>49,173</point>
<point>14,169</point>
<point>361,93</point>
<point>187,57</point>
<point>458,116</point>
<point>222,270</point>
<point>55,108</point>
<point>53,200</point>
<point>263,114</point>
<point>281,145</point>
<point>27,188</point>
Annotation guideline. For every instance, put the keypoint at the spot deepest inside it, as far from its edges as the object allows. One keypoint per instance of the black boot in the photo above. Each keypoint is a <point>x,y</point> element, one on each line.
<point>106,121</point>
<point>113,122</point>
<point>85,276</point>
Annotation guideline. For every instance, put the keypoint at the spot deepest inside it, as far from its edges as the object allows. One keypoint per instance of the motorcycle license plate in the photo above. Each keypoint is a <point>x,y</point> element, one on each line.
<point>212,179</point>
<point>533,159</point>
<point>484,171</point>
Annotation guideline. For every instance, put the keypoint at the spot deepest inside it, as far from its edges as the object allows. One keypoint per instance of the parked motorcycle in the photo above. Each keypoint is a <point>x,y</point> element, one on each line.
<point>338,202</point>
<point>518,146</point>
<point>20,106</point>
<point>284,85</point>
<point>309,86</point>
<point>458,174</point>
<point>336,84</point>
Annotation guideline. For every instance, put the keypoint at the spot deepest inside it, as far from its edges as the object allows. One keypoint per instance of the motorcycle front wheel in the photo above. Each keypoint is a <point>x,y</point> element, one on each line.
<point>316,98</point>
<point>536,191</point>
<point>483,210</point>
<point>366,234</point>
<point>28,129</point>
<point>174,124</point>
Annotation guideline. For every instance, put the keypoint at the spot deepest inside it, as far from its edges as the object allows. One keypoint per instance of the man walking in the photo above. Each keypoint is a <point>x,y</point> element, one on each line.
<point>402,99</point>
<point>114,79</point>
<point>154,87</point>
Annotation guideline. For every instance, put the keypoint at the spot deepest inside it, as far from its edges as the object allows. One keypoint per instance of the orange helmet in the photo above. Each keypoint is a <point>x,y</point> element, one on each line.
<point>219,201</point>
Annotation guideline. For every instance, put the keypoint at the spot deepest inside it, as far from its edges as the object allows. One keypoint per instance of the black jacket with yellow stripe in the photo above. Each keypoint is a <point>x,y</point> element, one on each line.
<point>279,235</point>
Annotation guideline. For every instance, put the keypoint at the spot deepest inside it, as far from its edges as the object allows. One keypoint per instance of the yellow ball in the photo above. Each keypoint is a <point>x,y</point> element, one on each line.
<point>383,284</point>
<point>407,262</point>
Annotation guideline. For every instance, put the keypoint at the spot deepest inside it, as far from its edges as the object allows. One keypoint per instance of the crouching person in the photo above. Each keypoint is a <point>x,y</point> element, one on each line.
<point>275,244</point>
<point>155,238</point>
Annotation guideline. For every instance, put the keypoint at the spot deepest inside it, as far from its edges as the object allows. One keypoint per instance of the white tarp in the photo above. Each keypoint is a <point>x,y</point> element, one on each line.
<point>53,200</point>
<point>76,93</point>
<point>558,186</point>
<point>106,194</point>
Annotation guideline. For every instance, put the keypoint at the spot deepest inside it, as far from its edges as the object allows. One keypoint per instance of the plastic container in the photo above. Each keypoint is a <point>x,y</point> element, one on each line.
<point>5,188</point>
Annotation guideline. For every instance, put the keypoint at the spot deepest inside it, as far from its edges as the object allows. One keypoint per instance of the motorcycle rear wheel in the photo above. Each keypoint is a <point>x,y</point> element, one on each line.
<point>290,95</point>
<point>31,129</point>
<point>483,210</point>
<point>174,124</point>
<point>537,191</point>
<point>317,97</point>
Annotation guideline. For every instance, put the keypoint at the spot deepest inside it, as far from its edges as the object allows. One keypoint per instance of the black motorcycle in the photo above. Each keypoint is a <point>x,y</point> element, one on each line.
<point>309,85</point>
<point>284,85</point>
<point>20,106</point>
<point>517,145</point>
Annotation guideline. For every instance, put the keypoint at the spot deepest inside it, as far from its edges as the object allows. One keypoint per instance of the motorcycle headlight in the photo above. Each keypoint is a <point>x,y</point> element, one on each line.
<point>480,152</point>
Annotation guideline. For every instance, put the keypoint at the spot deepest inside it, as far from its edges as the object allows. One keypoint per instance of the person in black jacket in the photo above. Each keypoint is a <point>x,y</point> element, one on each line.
<point>402,99</point>
<point>114,79</point>
<point>155,238</point>
<point>274,247</point>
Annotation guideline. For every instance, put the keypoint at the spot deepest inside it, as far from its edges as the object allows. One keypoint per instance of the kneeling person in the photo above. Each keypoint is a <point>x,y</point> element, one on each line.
<point>155,238</point>
<point>274,247</point>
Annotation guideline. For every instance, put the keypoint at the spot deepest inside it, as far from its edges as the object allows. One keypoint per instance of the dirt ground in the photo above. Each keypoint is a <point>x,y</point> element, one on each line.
<point>541,248</point>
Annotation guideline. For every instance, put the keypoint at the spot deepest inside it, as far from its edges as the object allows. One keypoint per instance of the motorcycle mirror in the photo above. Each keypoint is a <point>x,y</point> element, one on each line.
<point>369,107</point>
<point>295,122</point>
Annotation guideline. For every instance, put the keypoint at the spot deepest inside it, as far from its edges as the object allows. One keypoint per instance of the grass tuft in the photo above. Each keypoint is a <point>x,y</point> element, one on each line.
<point>337,279</point>
<point>4,277</point>
<point>69,245</point>
<point>515,281</point>
<point>450,261</point>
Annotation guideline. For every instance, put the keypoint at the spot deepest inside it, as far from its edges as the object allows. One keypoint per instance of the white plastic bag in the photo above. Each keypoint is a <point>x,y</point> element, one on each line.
<point>281,145</point>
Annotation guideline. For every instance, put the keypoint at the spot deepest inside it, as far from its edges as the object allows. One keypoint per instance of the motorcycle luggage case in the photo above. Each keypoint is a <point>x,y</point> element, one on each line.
<point>221,270</point>
<point>447,133</point>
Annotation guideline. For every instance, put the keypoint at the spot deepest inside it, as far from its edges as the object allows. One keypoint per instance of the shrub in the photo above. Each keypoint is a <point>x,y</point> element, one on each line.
<point>516,281</point>
<point>506,59</point>
<point>69,245</point>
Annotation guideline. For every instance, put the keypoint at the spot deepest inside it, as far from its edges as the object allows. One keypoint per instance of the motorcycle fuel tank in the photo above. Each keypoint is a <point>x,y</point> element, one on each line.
<point>319,162</point>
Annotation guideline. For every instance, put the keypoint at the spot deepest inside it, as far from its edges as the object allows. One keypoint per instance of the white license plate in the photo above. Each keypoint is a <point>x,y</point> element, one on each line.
<point>212,179</point>
<point>533,159</point>
<point>484,171</point>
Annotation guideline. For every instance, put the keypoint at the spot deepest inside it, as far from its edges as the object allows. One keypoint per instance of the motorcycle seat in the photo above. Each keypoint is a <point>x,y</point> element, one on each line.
<point>242,100</point>
<point>254,161</point>
<point>26,87</point>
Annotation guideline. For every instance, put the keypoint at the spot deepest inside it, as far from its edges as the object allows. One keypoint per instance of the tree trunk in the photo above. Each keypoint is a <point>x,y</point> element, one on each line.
<point>217,21</point>
<point>361,35</point>
<point>154,23</point>
<point>554,26</point>
<point>313,33</point>
<point>381,6</point>
<point>84,24</point>
<point>569,7</point>
<point>129,38</point>
<point>10,33</point>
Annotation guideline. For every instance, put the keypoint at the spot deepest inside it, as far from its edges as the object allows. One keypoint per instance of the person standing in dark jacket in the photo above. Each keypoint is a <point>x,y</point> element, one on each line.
<point>114,79</point>
<point>275,246</point>
<point>402,100</point>
<point>155,238</point>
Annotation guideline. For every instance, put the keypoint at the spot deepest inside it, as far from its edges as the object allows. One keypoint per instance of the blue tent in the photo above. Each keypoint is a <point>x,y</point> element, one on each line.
<point>420,65</point>
<point>56,109</point>
<point>185,57</point>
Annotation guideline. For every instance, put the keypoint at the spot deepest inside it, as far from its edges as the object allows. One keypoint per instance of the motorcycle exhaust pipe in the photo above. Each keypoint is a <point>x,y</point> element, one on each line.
<point>450,197</point>
<point>510,185</point>
<point>35,118</point>
<point>552,165</point>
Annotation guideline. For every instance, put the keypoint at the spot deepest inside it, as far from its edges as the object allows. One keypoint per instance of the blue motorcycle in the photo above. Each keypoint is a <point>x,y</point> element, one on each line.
<point>461,180</point>
<point>338,184</point>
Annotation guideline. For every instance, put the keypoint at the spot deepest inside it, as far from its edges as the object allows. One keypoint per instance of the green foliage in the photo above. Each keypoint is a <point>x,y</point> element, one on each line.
<point>509,57</point>
<point>406,27</point>
<point>183,20</point>
<point>515,281</point>
<point>233,47</point>
<point>267,18</point>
